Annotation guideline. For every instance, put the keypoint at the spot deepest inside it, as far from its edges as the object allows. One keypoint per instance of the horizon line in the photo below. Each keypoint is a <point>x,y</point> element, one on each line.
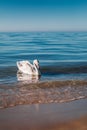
<point>43,31</point>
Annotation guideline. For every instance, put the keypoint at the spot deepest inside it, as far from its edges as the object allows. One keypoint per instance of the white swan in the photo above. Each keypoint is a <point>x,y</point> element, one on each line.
<point>27,68</point>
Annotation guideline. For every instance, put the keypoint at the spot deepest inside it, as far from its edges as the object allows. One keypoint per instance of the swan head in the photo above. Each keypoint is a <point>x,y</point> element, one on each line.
<point>36,62</point>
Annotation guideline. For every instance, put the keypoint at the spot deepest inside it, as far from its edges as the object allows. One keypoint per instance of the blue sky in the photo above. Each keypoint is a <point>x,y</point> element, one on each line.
<point>43,15</point>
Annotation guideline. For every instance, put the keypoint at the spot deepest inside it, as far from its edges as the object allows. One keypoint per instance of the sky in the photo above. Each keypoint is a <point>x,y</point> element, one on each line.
<point>43,15</point>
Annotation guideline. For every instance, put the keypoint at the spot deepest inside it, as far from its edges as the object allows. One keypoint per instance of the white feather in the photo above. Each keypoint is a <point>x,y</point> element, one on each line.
<point>27,68</point>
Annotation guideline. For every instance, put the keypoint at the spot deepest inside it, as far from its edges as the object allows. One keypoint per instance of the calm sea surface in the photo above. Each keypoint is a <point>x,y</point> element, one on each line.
<point>62,57</point>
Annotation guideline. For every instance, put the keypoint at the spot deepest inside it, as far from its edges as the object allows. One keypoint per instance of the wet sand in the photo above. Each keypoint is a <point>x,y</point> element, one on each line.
<point>51,116</point>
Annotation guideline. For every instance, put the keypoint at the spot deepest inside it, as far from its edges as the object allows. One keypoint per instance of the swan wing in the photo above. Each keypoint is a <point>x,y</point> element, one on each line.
<point>25,67</point>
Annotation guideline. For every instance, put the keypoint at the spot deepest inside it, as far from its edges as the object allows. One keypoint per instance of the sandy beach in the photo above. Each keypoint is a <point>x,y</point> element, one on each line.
<point>51,116</point>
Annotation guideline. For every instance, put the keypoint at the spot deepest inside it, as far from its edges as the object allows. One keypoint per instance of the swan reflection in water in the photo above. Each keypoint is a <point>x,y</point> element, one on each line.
<point>26,78</point>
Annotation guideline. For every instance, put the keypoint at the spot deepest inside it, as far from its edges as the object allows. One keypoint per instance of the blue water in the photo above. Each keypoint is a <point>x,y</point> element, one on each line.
<point>62,55</point>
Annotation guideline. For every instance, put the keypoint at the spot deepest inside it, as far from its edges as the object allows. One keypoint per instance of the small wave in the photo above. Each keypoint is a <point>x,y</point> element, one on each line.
<point>7,71</point>
<point>63,69</point>
<point>8,74</point>
<point>43,92</point>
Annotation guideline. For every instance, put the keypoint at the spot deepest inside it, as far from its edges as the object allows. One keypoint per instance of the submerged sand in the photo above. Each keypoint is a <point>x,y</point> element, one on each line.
<point>53,116</point>
<point>42,92</point>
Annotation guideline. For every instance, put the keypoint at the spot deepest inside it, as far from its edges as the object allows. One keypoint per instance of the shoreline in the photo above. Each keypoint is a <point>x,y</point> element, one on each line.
<point>43,92</point>
<point>53,116</point>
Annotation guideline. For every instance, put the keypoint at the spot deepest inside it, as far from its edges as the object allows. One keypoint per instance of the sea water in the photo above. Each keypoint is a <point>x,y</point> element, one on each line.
<point>62,56</point>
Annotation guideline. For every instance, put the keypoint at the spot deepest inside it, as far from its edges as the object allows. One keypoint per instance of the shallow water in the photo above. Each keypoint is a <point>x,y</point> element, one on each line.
<point>43,92</point>
<point>62,57</point>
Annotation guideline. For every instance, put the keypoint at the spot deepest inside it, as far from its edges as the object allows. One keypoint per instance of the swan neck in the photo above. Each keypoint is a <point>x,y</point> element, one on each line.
<point>36,70</point>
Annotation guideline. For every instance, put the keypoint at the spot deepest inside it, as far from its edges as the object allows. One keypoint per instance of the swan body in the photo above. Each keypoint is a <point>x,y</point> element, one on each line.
<point>27,68</point>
